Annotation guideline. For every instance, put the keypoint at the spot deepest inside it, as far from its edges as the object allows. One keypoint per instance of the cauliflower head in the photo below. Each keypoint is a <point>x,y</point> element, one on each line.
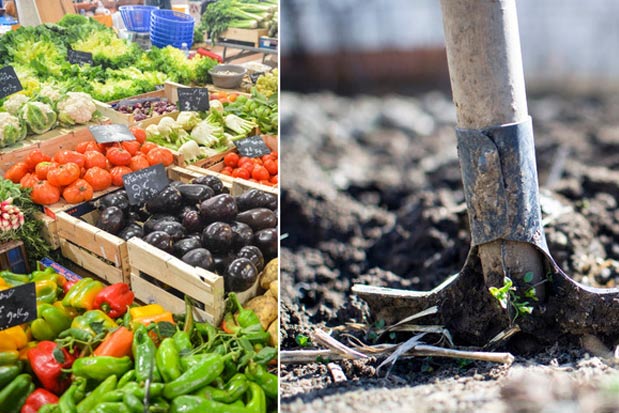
<point>14,103</point>
<point>76,107</point>
<point>11,129</point>
<point>39,117</point>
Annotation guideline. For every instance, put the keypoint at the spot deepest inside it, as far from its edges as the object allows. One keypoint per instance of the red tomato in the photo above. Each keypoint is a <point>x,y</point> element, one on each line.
<point>43,168</point>
<point>139,133</point>
<point>147,147</point>
<point>117,174</point>
<point>132,147</point>
<point>260,173</point>
<point>44,193</point>
<point>139,161</point>
<point>63,174</point>
<point>241,173</point>
<point>118,156</point>
<point>16,172</point>
<point>35,157</point>
<point>95,158</point>
<point>98,178</point>
<point>160,155</point>
<point>66,156</point>
<point>29,180</point>
<point>271,166</point>
<point>231,159</point>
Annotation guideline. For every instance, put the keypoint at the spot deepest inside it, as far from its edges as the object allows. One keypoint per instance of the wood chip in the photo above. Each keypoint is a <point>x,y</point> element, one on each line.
<point>336,372</point>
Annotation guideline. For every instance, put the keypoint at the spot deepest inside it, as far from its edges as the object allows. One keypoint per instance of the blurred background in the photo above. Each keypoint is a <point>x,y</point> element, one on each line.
<point>352,46</point>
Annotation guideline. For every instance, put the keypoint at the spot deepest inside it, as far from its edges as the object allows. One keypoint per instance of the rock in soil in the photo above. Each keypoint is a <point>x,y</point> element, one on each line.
<point>372,194</point>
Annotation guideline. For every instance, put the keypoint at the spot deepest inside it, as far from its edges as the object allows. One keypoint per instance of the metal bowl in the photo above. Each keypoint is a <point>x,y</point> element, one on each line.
<point>231,77</point>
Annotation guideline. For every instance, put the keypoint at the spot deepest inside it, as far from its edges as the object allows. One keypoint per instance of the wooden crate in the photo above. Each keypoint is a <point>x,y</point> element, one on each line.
<point>159,277</point>
<point>94,249</point>
<point>249,36</point>
<point>169,92</point>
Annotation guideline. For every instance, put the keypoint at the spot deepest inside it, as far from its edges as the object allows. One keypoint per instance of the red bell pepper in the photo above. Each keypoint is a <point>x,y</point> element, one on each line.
<point>67,286</point>
<point>37,399</point>
<point>47,360</point>
<point>114,300</point>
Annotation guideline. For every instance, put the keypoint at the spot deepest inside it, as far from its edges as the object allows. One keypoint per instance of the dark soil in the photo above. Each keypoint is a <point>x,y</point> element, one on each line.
<point>371,194</point>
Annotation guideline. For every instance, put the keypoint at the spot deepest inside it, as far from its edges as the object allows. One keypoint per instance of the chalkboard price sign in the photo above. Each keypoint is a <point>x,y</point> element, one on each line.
<point>18,305</point>
<point>252,147</point>
<point>193,98</point>
<point>144,184</point>
<point>9,83</point>
<point>75,56</point>
<point>111,133</point>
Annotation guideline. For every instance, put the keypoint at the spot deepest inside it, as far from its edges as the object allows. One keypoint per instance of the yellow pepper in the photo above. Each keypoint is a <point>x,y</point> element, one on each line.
<point>4,285</point>
<point>146,310</point>
<point>71,312</point>
<point>13,338</point>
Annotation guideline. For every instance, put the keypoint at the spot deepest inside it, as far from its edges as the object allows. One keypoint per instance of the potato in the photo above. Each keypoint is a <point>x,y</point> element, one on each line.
<point>269,274</point>
<point>273,331</point>
<point>274,289</point>
<point>265,308</point>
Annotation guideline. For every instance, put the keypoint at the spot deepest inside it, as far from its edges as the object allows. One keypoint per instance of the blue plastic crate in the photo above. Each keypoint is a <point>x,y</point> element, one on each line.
<point>137,18</point>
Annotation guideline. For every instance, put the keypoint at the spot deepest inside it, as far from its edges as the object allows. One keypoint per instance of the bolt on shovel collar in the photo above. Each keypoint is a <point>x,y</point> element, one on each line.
<point>500,185</point>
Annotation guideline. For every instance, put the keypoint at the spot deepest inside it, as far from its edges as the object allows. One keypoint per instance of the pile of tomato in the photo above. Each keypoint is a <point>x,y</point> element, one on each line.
<point>262,170</point>
<point>76,174</point>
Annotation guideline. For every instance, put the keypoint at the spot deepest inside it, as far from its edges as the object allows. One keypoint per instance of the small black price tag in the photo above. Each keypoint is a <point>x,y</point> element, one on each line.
<point>9,83</point>
<point>252,147</point>
<point>193,99</point>
<point>80,58</point>
<point>18,305</point>
<point>111,133</point>
<point>144,184</point>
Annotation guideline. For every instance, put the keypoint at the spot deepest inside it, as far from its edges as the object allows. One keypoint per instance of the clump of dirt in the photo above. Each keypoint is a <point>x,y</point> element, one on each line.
<point>372,194</point>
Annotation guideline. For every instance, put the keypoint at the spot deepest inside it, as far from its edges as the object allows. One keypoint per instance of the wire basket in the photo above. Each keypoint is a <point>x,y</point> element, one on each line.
<point>137,18</point>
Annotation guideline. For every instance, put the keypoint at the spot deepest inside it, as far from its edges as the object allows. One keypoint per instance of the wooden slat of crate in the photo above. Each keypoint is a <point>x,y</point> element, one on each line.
<point>49,230</point>
<point>201,285</point>
<point>101,247</point>
<point>244,35</point>
<point>239,185</point>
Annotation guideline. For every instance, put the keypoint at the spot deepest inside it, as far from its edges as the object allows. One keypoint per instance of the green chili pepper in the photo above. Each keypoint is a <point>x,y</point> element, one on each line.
<point>126,378</point>
<point>159,405</point>
<point>8,373</point>
<point>8,357</point>
<point>94,321</point>
<point>259,374</point>
<point>13,396</point>
<point>111,407</point>
<point>78,334</point>
<point>90,401</point>
<point>182,342</point>
<point>266,355</point>
<point>113,396</point>
<point>49,408</point>
<point>155,389</point>
<point>205,329</point>
<point>101,367</point>
<point>232,391</point>
<point>197,404</point>
<point>167,359</point>
<point>257,401</point>
<point>255,334</point>
<point>69,399</point>
<point>246,317</point>
<point>13,279</point>
<point>144,352</point>
<point>195,377</point>
<point>133,403</point>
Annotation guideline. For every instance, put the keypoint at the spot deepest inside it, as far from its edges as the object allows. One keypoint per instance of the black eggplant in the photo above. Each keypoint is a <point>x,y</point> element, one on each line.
<point>149,225</point>
<point>217,237</point>
<point>266,240</point>
<point>111,219</point>
<point>253,254</point>
<point>183,246</point>
<point>196,235</point>
<point>240,275</point>
<point>160,240</point>
<point>221,262</point>
<point>185,209</point>
<point>130,231</point>
<point>193,194</point>
<point>133,217</point>
<point>242,235</point>
<point>174,229</point>
<point>192,221</point>
<point>210,180</point>
<point>258,218</point>
<point>168,200</point>
<point>218,208</point>
<point>118,199</point>
<point>200,257</point>
<point>254,198</point>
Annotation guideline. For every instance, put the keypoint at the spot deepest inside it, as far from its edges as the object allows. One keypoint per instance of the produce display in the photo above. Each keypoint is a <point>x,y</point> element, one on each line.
<point>144,109</point>
<point>202,225</point>
<point>93,349</point>
<point>258,108</point>
<point>121,69</point>
<point>76,174</point>
<point>20,115</point>
<point>240,14</point>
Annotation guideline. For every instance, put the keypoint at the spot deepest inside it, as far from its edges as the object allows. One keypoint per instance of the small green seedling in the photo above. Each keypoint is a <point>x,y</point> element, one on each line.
<point>302,340</point>
<point>506,295</point>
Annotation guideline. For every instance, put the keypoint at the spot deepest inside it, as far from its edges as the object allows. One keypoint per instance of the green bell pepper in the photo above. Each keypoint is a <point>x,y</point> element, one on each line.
<point>51,321</point>
<point>144,351</point>
<point>94,321</point>
<point>13,396</point>
<point>100,368</point>
<point>167,360</point>
<point>46,291</point>
<point>82,294</point>
<point>204,372</point>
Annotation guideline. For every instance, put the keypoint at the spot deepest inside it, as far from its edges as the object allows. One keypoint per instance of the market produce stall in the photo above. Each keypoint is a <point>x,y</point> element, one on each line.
<point>161,294</point>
